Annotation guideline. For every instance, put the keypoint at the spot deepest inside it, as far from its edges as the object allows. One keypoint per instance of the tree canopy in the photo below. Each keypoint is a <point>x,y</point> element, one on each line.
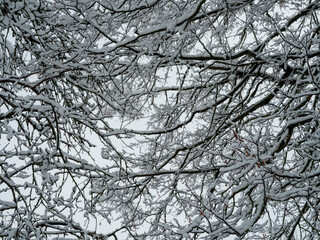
<point>205,114</point>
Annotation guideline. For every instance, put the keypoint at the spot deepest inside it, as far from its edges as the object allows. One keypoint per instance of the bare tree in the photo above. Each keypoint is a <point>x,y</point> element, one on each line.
<point>207,110</point>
